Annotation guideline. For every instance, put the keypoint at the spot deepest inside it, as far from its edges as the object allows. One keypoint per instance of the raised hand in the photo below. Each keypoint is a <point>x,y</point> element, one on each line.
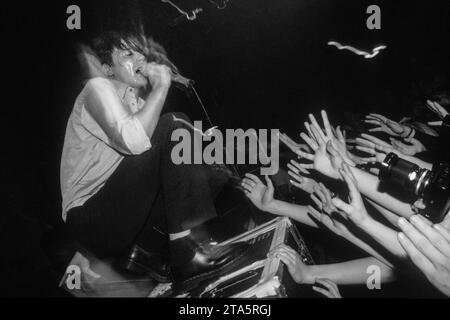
<point>291,144</point>
<point>377,148</point>
<point>329,221</point>
<point>386,125</point>
<point>304,183</point>
<point>411,149</point>
<point>297,269</point>
<point>355,209</point>
<point>428,246</point>
<point>322,198</point>
<point>317,140</point>
<point>258,193</point>
<point>439,110</point>
<point>330,289</point>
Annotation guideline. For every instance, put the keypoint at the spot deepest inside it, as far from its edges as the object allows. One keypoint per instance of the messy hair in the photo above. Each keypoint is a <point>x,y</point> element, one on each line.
<point>104,45</point>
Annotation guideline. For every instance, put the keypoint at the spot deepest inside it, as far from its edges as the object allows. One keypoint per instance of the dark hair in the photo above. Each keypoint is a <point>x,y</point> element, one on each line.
<point>105,44</point>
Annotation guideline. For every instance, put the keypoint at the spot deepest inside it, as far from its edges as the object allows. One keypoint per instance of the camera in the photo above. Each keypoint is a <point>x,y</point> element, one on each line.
<point>430,186</point>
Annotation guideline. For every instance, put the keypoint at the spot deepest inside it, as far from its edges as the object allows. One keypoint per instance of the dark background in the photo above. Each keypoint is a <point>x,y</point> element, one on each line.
<point>257,64</point>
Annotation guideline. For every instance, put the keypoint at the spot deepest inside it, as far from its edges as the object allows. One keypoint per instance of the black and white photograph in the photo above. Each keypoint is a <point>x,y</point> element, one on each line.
<point>225,155</point>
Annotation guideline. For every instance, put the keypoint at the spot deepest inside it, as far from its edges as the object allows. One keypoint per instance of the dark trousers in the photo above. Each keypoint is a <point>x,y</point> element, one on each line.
<point>147,197</point>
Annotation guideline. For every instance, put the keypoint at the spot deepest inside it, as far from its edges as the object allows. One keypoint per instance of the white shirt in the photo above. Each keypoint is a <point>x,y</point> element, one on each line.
<point>101,129</point>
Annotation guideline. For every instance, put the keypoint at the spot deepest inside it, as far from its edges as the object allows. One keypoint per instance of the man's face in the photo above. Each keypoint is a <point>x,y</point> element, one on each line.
<point>128,66</point>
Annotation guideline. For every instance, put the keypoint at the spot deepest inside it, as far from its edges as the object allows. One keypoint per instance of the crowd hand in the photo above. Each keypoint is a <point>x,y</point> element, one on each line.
<point>411,149</point>
<point>439,110</point>
<point>428,246</point>
<point>340,144</point>
<point>355,209</point>
<point>386,125</point>
<point>336,136</point>
<point>329,220</point>
<point>377,148</point>
<point>435,123</point>
<point>298,270</point>
<point>317,140</point>
<point>331,289</point>
<point>321,196</point>
<point>304,183</point>
<point>258,193</point>
<point>291,144</point>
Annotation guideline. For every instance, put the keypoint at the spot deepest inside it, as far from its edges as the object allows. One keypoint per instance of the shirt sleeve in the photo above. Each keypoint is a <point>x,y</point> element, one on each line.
<point>123,130</point>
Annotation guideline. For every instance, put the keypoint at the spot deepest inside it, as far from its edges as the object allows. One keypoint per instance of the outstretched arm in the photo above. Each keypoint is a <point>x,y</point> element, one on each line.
<point>350,272</point>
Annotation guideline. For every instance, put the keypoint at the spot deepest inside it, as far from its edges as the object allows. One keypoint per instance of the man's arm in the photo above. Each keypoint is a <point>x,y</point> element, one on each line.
<point>349,272</point>
<point>126,132</point>
<point>159,76</point>
<point>368,185</point>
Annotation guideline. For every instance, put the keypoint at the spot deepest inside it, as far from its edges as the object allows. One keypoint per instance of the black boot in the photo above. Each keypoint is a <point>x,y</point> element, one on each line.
<point>140,261</point>
<point>192,263</point>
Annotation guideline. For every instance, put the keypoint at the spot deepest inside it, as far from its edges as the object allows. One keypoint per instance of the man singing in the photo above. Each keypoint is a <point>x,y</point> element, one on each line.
<point>119,186</point>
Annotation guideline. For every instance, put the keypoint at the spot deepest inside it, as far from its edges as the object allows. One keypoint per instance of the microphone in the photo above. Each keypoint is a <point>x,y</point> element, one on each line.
<point>159,57</point>
<point>181,80</point>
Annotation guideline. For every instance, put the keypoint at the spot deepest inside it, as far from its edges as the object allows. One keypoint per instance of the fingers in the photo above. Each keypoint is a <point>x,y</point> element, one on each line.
<point>366,150</point>
<point>323,291</point>
<point>298,185</point>
<point>365,143</point>
<point>377,129</point>
<point>308,129</point>
<point>318,135</point>
<point>341,205</point>
<point>421,243</point>
<point>368,159</point>
<point>376,116</point>
<point>326,124</point>
<point>435,123</point>
<point>376,141</point>
<point>339,135</point>
<point>326,192</point>
<point>320,194</point>
<point>443,231</point>
<point>300,166</point>
<point>246,187</point>
<point>316,201</point>
<point>331,149</point>
<point>269,183</point>
<point>252,178</point>
<point>248,182</point>
<point>316,129</point>
<point>330,286</point>
<point>316,214</point>
<point>354,193</point>
<point>415,255</point>
<point>310,142</point>
<point>305,155</point>
<point>298,180</point>
<point>294,170</point>
<point>424,226</point>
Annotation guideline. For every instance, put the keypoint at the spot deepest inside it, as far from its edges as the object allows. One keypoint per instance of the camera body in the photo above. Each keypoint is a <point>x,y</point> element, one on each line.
<point>432,186</point>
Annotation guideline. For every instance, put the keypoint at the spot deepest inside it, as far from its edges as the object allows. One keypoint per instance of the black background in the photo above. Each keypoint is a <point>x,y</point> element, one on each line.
<point>257,64</point>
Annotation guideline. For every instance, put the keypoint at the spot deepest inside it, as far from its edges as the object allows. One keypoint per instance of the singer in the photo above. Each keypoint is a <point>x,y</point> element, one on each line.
<point>122,195</point>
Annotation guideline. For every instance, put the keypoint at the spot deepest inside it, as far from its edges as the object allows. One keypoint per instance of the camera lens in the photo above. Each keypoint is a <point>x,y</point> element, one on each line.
<point>404,174</point>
